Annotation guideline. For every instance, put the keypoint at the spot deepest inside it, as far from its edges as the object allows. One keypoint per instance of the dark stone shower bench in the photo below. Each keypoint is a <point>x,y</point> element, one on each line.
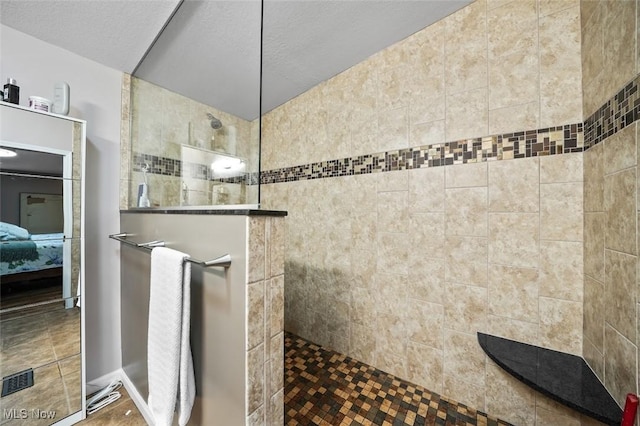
<point>562,377</point>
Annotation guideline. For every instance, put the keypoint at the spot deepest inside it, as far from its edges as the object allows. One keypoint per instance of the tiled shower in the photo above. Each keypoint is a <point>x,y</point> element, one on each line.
<point>480,175</point>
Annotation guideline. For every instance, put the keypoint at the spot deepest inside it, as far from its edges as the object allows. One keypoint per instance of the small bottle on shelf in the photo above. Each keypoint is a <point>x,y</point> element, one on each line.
<point>11,92</point>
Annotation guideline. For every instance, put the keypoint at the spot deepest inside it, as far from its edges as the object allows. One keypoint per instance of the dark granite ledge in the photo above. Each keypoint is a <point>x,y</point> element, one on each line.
<point>562,377</point>
<point>209,211</point>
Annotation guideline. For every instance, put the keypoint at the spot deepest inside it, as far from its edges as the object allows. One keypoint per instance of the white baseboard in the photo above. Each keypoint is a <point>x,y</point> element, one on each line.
<point>137,399</point>
<point>119,374</point>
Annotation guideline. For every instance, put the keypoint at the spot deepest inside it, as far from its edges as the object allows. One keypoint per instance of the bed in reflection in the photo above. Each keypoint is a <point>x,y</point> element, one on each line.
<point>25,257</point>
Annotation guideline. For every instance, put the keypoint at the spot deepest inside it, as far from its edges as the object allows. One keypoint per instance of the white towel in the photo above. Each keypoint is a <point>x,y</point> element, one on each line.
<point>169,361</point>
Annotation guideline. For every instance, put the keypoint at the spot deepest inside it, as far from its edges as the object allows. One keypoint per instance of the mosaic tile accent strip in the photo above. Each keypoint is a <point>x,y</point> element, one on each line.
<point>323,387</point>
<point>617,113</point>
<point>164,166</point>
<point>530,143</point>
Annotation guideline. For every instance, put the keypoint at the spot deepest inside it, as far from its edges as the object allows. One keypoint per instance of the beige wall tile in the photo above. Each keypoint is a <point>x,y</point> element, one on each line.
<point>508,398</point>
<point>339,342</point>
<point>594,313</point>
<point>549,412</point>
<point>393,211</point>
<point>276,305</point>
<point>466,393</point>
<point>512,27</point>
<point>255,378</point>
<point>393,253</point>
<point>427,236</point>
<point>255,314</point>
<point>466,49</point>
<point>363,267</point>
<point>426,189</point>
<point>467,114</point>
<point>514,239</point>
<point>620,292</point>
<point>514,186</point>
<point>592,54</point>
<point>547,7</point>
<point>394,89</point>
<point>620,150</point>
<point>391,363</point>
<point>512,78</point>
<point>594,357</point>
<point>620,206</point>
<point>256,249</point>
<point>338,322</point>
<point>513,292</point>
<point>427,374</point>
<point>426,109</point>
<point>426,280</point>
<point>277,244</point>
<point>427,133</point>
<point>594,179</point>
<point>561,211</point>
<point>619,35</point>
<point>515,117</point>
<point>561,325</point>
<point>425,323</point>
<point>594,234</point>
<point>391,292</point>
<point>466,175</point>
<point>492,4</point>
<point>362,342</point>
<point>363,311</point>
<point>619,365</point>
<point>276,409</point>
<point>364,228</point>
<point>562,168</point>
<point>587,8</point>
<point>561,270</point>
<point>276,383</point>
<point>560,68</point>
<point>466,261</point>
<point>466,308</point>
<point>391,181</point>
<point>394,129</point>
<point>466,211</point>
<point>464,360</point>
<point>509,328</point>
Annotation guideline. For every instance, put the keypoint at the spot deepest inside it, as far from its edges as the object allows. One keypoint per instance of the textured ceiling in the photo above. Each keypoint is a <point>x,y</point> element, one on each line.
<point>115,33</point>
<point>210,51</point>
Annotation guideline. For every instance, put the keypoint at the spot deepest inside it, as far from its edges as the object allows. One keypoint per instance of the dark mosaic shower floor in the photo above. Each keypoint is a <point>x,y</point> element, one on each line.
<point>323,387</point>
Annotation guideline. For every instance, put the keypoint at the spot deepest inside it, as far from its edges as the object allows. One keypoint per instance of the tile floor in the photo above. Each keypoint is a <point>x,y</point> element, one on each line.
<point>323,387</point>
<point>46,339</point>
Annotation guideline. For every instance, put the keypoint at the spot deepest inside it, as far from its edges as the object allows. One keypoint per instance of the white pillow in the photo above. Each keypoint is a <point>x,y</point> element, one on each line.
<point>9,231</point>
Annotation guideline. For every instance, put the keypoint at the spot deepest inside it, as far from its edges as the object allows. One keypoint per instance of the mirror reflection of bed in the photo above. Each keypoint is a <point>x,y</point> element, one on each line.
<point>31,229</point>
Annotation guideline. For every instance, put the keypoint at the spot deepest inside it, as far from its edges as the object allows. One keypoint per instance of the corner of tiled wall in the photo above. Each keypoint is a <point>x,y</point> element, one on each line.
<point>125,142</point>
<point>612,211</point>
<point>265,321</point>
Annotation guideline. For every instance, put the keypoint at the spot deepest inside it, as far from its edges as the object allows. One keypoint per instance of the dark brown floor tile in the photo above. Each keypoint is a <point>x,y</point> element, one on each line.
<point>323,387</point>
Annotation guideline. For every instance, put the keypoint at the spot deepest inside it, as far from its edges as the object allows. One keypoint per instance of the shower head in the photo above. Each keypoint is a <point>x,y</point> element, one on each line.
<point>215,123</point>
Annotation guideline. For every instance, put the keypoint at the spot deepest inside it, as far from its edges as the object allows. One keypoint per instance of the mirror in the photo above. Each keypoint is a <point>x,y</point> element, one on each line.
<point>40,267</point>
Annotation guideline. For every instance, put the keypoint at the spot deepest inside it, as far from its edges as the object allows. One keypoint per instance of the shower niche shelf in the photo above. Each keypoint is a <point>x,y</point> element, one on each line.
<point>562,377</point>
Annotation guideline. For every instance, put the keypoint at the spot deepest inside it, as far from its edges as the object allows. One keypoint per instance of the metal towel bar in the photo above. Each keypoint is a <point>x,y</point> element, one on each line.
<point>222,261</point>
